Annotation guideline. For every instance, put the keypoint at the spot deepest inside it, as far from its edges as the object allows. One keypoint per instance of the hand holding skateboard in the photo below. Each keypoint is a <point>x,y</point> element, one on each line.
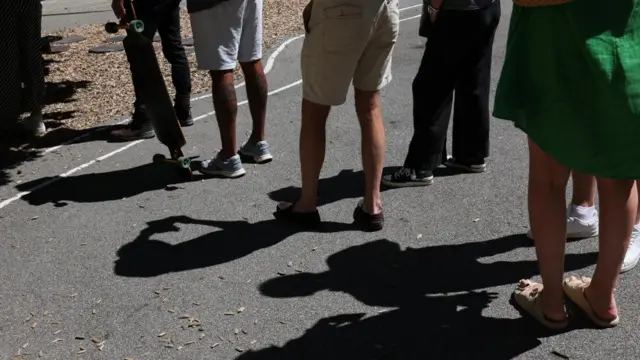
<point>120,12</point>
<point>152,88</point>
<point>118,8</point>
<point>136,26</point>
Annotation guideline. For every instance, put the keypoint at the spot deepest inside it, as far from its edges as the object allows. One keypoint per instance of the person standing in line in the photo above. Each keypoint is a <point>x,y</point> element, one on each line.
<point>347,41</point>
<point>582,218</point>
<point>22,71</point>
<point>457,59</point>
<point>226,32</point>
<point>163,17</point>
<point>571,83</point>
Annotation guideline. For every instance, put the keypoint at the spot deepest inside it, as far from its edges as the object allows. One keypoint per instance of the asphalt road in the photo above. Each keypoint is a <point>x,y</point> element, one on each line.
<point>122,251</point>
<point>59,14</point>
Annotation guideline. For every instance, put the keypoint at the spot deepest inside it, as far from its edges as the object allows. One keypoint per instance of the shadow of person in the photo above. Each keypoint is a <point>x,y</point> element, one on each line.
<point>100,187</point>
<point>380,273</point>
<point>425,324</point>
<point>145,257</point>
<point>434,327</point>
<point>63,91</point>
<point>10,158</point>
<point>58,134</point>
<point>18,146</point>
<point>348,184</point>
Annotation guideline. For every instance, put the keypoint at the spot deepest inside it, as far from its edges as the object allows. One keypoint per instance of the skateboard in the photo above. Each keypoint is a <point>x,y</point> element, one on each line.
<point>154,94</point>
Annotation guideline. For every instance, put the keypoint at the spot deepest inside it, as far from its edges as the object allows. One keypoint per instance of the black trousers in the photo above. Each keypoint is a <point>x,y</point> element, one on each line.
<point>22,61</point>
<point>457,59</point>
<point>165,20</point>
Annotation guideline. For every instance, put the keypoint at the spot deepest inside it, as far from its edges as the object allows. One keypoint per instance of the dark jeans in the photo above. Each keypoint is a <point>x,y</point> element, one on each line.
<point>457,58</point>
<point>166,21</point>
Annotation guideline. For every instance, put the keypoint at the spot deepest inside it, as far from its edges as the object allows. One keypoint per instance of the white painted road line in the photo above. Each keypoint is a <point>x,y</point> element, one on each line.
<point>267,69</point>
<point>270,62</point>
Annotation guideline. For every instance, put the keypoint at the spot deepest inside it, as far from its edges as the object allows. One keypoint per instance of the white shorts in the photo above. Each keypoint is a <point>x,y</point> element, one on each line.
<point>227,33</point>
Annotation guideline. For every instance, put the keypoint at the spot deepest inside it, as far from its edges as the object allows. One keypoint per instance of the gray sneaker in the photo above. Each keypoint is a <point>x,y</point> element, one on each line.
<point>230,168</point>
<point>258,152</point>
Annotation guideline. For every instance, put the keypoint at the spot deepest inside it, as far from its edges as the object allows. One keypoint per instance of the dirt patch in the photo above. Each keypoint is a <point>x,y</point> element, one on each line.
<point>86,89</point>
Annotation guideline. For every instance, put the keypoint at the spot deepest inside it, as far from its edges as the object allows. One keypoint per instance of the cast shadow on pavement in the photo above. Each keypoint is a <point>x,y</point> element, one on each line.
<point>17,146</point>
<point>11,158</point>
<point>426,322</point>
<point>107,186</point>
<point>347,184</point>
<point>145,257</point>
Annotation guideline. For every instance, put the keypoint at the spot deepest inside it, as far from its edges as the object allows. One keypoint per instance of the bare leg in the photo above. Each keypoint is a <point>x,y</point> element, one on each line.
<point>584,189</point>
<point>547,185</point>
<point>632,257</point>
<point>257,93</point>
<point>225,104</point>
<point>618,204</point>
<point>638,194</point>
<point>312,150</point>
<point>582,218</point>
<point>373,147</point>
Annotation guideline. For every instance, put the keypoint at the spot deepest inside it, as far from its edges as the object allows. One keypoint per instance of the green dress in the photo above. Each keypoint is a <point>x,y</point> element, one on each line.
<point>571,82</point>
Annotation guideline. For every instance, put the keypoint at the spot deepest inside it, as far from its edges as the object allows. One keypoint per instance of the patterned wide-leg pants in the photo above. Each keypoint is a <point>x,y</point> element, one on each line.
<point>21,63</point>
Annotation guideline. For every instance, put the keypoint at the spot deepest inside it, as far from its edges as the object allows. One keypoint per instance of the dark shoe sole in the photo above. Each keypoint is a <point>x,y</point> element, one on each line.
<point>394,184</point>
<point>367,222</point>
<point>187,123</point>
<point>467,168</point>
<point>145,136</point>
<point>309,220</point>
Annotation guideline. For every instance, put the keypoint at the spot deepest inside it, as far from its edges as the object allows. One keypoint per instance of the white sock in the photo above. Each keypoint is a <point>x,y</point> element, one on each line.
<point>637,227</point>
<point>584,213</point>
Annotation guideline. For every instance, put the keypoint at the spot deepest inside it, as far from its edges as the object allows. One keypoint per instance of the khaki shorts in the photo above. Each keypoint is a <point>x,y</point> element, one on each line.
<point>348,40</point>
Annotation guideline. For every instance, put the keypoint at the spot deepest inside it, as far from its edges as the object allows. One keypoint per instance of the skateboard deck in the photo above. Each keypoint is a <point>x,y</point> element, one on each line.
<point>154,94</point>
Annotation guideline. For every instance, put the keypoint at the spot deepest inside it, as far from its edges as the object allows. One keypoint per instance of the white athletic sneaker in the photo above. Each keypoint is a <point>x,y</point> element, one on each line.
<point>579,229</point>
<point>633,253</point>
<point>35,125</point>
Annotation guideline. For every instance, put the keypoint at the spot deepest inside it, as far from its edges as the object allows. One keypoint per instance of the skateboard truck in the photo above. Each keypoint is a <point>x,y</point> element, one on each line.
<point>136,26</point>
<point>177,158</point>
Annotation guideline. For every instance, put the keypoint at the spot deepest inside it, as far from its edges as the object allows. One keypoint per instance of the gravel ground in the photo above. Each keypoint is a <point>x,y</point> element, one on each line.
<point>98,86</point>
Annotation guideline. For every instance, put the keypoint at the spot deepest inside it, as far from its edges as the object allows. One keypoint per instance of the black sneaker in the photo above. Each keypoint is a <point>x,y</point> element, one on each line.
<point>406,177</point>
<point>137,129</point>
<point>182,106</point>
<point>470,165</point>
<point>184,115</point>
<point>187,121</point>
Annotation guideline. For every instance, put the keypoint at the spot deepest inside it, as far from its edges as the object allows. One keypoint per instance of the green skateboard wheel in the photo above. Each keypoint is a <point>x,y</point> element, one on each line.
<point>111,27</point>
<point>184,162</point>
<point>158,158</point>
<point>137,26</point>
